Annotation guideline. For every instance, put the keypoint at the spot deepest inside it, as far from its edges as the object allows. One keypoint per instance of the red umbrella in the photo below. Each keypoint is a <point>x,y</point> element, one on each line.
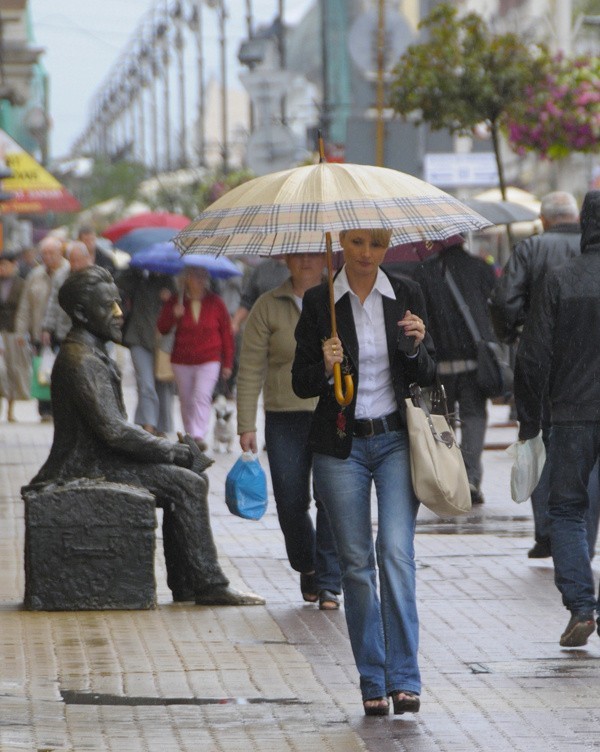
<point>421,250</point>
<point>409,253</point>
<point>145,220</point>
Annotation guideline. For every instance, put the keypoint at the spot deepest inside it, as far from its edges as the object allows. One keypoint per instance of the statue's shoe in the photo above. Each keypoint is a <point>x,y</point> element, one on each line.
<point>227,596</point>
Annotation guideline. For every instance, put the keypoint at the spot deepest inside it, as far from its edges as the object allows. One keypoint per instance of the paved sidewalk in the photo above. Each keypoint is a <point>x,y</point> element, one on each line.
<point>182,678</point>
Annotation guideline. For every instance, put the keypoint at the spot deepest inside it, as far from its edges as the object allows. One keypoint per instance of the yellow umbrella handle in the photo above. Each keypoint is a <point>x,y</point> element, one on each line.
<point>341,398</point>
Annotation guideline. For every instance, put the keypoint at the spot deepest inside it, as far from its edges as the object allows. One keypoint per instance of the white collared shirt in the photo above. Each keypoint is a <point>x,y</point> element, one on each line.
<point>375,392</point>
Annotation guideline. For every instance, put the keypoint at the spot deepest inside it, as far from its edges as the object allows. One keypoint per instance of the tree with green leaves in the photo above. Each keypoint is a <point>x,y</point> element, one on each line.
<point>464,75</point>
<point>109,179</point>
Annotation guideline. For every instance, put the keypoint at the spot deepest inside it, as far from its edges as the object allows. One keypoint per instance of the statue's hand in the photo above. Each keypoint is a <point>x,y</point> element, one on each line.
<point>182,455</point>
<point>200,462</point>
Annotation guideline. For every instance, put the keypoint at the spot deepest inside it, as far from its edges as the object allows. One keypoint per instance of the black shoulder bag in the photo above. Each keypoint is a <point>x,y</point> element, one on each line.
<point>494,375</point>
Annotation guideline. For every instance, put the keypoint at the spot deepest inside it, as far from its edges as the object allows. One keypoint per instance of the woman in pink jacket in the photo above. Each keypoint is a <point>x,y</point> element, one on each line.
<point>203,348</point>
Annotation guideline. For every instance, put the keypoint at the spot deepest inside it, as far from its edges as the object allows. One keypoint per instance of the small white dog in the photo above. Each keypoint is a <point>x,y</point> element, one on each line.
<point>224,430</point>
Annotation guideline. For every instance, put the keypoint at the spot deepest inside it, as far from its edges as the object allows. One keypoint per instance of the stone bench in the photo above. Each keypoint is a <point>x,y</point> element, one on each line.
<point>89,545</point>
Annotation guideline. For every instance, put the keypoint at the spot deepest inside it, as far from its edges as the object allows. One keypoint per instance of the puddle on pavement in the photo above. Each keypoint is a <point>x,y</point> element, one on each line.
<point>504,526</point>
<point>73,697</point>
<point>575,665</point>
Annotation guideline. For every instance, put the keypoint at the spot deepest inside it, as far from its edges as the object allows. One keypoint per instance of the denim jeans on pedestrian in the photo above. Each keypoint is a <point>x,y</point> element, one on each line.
<point>539,501</point>
<point>155,398</point>
<point>574,450</point>
<point>290,461</point>
<point>384,626</point>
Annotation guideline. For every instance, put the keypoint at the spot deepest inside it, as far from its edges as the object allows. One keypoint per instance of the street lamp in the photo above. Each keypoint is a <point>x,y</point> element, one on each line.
<point>177,15</point>
<point>219,6</point>
<point>195,24</point>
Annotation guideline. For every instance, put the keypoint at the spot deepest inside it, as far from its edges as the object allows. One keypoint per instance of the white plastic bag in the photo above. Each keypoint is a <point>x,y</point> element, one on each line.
<point>46,364</point>
<point>528,462</point>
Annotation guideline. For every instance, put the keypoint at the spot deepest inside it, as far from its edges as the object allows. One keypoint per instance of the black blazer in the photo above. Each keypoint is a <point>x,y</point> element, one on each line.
<point>331,430</point>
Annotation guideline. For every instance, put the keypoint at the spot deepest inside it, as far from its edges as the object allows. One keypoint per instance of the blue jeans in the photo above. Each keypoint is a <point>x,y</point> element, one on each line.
<point>384,634</point>
<point>574,450</point>
<point>539,501</point>
<point>155,398</point>
<point>290,460</point>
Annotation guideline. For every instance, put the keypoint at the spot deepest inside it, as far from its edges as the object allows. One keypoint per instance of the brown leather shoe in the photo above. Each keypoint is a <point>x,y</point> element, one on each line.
<point>227,596</point>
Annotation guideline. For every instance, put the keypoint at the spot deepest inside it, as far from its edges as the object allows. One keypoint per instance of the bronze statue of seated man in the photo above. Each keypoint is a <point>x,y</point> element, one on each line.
<point>93,439</point>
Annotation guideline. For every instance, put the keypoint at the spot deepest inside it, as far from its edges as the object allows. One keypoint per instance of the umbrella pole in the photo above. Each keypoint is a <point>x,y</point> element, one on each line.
<point>342,398</point>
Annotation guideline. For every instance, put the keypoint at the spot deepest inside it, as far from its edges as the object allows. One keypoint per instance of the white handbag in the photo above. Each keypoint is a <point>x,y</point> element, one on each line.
<point>437,467</point>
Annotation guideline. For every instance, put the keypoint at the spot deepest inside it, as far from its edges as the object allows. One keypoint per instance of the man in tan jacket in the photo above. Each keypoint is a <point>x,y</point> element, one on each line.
<point>33,302</point>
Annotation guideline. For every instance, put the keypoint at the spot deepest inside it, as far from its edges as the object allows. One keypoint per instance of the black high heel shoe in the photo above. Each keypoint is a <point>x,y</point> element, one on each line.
<point>378,707</point>
<point>405,701</point>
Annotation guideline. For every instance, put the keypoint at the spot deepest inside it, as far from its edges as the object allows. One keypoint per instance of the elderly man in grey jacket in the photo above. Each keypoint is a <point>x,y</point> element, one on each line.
<point>57,323</point>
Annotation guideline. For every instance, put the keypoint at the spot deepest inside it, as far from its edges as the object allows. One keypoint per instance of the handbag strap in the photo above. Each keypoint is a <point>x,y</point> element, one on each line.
<point>446,437</point>
<point>463,307</point>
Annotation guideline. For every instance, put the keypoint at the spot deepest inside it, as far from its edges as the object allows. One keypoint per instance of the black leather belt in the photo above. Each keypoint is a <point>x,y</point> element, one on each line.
<point>374,426</point>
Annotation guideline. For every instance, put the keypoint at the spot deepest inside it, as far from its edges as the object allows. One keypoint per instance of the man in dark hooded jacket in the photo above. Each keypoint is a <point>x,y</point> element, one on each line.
<point>560,347</point>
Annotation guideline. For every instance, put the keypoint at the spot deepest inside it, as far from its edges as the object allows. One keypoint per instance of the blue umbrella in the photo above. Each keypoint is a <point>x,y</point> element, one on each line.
<point>218,267</point>
<point>163,258</point>
<point>144,238</point>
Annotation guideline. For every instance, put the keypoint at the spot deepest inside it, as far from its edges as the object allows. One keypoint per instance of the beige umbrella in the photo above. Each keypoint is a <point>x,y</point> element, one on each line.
<point>297,210</point>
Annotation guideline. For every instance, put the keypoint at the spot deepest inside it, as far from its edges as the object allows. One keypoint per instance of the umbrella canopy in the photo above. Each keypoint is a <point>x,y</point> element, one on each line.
<point>145,219</point>
<point>291,211</point>
<point>502,212</point>
<point>516,195</point>
<point>144,238</point>
<point>297,210</point>
<point>164,258</point>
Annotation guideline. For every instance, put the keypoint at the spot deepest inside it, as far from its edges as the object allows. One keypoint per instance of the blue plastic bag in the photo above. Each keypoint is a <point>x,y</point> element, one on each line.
<point>246,488</point>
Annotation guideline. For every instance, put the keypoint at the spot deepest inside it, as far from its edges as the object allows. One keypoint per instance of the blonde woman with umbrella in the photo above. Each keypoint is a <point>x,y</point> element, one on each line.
<point>382,343</point>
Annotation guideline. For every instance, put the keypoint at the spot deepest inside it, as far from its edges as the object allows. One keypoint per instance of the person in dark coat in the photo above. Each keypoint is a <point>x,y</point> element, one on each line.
<point>510,303</point>
<point>560,351</point>
<point>15,365</point>
<point>456,350</point>
<point>144,294</point>
<point>530,260</point>
<point>93,439</point>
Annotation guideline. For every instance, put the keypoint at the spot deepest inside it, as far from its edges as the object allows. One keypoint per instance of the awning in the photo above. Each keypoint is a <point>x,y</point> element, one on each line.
<point>34,190</point>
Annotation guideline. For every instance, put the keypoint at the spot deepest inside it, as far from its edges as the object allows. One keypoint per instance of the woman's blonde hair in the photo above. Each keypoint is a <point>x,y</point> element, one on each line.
<point>378,235</point>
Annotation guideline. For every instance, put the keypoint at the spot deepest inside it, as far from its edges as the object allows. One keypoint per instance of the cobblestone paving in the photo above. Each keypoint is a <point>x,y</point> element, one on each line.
<point>282,678</point>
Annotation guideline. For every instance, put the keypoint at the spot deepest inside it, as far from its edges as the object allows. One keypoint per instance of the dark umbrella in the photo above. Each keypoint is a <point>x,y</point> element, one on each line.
<point>501,212</point>
<point>144,220</point>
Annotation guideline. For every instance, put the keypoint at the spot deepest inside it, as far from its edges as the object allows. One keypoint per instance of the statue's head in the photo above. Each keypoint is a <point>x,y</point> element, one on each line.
<point>92,300</point>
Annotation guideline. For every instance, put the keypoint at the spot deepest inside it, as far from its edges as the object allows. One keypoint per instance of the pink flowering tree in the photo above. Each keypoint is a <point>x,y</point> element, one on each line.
<point>560,114</point>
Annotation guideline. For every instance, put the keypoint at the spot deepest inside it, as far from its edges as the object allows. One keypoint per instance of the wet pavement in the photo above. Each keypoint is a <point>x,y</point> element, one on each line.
<point>281,678</point>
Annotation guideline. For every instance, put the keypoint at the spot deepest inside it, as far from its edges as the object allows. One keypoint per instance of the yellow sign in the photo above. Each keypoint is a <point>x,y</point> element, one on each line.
<point>34,190</point>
